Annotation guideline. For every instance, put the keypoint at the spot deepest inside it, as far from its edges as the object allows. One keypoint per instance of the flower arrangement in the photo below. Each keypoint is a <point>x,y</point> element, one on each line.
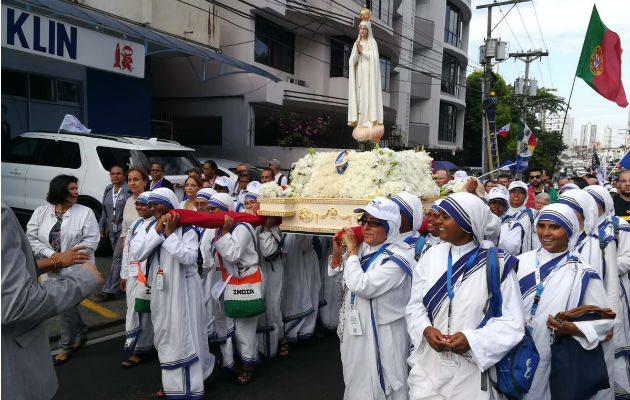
<point>296,130</point>
<point>271,189</point>
<point>380,172</point>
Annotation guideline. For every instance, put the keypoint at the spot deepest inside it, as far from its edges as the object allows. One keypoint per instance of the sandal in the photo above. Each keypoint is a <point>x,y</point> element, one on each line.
<point>159,394</point>
<point>129,363</point>
<point>284,350</point>
<point>59,361</point>
<point>245,377</point>
<point>77,345</point>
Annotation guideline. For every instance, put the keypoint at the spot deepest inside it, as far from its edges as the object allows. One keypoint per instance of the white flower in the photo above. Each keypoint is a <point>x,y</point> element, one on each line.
<point>380,172</point>
<point>271,189</point>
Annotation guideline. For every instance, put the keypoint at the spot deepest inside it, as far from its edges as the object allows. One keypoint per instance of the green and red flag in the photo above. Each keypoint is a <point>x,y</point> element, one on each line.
<point>527,138</point>
<point>600,61</point>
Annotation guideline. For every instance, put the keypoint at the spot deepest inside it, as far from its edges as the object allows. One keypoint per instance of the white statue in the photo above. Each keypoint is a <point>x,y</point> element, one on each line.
<point>365,98</point>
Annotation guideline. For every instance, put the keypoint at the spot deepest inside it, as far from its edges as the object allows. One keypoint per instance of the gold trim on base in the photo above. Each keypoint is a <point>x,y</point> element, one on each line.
<point>293,228</point>
<point>266,213</point>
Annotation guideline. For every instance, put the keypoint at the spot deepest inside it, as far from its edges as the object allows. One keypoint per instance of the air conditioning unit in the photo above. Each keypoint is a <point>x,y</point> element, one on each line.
<point>296,81</point>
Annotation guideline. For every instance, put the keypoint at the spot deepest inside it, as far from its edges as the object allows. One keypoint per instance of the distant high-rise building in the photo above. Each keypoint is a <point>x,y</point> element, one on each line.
<point>553,122</point>
<point>607,137</point>
<point>588,134</point>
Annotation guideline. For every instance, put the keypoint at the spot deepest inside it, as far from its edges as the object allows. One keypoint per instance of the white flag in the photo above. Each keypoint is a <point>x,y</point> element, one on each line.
<point>72,124</point>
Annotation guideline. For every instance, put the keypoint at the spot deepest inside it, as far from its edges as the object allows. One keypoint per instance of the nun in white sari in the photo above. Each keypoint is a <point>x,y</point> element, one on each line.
<point>620,232</point>
<point>177,308</point>
<point>561,281</point>
<point>450,353</point>
<point>603,261</point>
<point>377,280</point>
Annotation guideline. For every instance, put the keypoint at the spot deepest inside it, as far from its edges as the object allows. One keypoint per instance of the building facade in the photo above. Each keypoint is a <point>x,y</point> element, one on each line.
<point>423,57</point>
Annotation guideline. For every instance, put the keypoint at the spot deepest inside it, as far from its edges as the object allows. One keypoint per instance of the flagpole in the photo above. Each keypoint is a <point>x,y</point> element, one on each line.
<point>494,170</point>
<point>568,106</point>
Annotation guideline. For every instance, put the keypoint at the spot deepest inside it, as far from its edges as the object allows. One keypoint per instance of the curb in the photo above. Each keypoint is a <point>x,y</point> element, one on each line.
<point>104,325</point>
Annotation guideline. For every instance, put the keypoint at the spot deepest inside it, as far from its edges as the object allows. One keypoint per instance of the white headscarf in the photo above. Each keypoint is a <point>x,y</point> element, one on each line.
<point>165,196</point>
<point>411,207</point>
<point>564,216</point>
<point>222,201</point>
<point>522,185</point>
<point>582,202</point>
<point>472,215</point>
<point>144,197</point>
<point>603,198</point>
<point>205,193</point>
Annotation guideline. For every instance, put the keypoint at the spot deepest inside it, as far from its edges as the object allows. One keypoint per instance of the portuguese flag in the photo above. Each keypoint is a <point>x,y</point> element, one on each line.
<point>600,61</point>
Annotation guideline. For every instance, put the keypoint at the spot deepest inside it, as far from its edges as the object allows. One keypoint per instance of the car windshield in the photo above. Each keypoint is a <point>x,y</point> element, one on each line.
<point>175,162</point>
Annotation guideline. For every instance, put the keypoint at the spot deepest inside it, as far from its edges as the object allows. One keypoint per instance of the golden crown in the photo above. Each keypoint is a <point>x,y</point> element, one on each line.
<point>365,14</point>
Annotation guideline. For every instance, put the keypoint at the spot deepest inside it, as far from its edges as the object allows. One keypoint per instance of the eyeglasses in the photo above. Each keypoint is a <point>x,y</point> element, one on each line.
<point>535,176</point>
<point>372,223</point>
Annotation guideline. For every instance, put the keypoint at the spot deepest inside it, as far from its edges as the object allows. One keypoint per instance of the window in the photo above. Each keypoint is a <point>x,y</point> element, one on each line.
<point>175,162</point>
<point>386,69</point>
<point>22,150</point>
<point>452,25</point>
<point>274,46</point>
<point>68,91</point>
<point>340,49</point>
<point>448,123</point>
<point>42,88</point>
<point>379,8</point>
<point>111,156</point>
<point>61,154</point>
<point>14,83</point>
<point>450,74</point>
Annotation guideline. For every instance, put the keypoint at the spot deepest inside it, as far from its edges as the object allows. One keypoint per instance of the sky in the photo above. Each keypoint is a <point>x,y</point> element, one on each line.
<point>563,24</point>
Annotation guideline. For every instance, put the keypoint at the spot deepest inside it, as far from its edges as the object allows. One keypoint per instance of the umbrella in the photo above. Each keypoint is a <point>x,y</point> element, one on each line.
<point>447,165</point>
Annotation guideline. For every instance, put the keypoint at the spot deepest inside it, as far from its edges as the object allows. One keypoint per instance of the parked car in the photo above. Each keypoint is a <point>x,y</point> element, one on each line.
<point>228,168</point>
<point>31,160</point>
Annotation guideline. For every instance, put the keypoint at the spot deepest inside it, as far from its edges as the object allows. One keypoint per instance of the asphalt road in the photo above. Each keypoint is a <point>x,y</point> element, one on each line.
<point>311,372</point>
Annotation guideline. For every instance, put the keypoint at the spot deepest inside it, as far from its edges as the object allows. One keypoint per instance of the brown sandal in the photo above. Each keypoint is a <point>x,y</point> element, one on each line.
<point>159,394</point>
<point>245,377</point>
<point>283,352</point>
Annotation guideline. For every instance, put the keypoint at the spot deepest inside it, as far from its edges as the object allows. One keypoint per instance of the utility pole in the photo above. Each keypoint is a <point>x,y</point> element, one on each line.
<point>527,58</point>
<point>486,85</point>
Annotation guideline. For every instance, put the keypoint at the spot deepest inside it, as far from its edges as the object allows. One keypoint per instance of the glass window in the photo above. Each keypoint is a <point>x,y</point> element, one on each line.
<point>42,88</point>
<point>447,127</point>
<point>452,25</point>
<point>14,83</point>
<point>379,8</point>
<point>111,156</point>
<point>22,150</point>
<point>386,67</point>
<point>274,45</point>
<point>68,91</point>
<point>450,74</point>
<point>175,162</point>
<point>60,153</point>
<point>340,49</point>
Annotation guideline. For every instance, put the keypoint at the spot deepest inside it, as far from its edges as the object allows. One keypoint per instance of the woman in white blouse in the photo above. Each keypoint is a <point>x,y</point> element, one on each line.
<point>54,228</point>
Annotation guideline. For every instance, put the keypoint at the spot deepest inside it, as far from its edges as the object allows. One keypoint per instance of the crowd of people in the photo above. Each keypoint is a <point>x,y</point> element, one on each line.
<point>411,294</point>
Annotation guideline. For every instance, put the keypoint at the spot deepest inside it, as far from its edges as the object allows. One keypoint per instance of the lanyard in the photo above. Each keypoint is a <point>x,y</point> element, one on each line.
<point>540,285</point>
<point>449,288</point>
<point>367,265</point>
<point>449,271</point>
<point>115,198</point>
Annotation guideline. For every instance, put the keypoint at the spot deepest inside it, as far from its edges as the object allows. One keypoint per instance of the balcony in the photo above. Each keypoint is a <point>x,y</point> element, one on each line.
<point>420,86</point>
<point>418,134</point>
<point>423,34</point>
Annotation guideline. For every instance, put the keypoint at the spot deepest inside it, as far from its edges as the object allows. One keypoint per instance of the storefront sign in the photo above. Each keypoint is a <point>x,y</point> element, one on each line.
<point>36,34</point>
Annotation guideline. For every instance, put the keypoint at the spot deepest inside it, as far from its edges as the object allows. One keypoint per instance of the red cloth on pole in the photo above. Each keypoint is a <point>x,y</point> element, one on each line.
<point>358,232</point>
<point>212,221</point>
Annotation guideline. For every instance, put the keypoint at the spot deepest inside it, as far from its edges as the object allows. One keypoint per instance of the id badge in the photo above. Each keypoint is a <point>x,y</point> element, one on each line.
<point>159,280</point>
<point>447,358</point>
<point>114,227</point>
<point>355,323</point>
<point>134,266</point>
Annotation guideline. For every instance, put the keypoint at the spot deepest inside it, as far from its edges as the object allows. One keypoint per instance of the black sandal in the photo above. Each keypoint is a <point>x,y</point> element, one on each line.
<point>283,352</point>
<point>245,377</point>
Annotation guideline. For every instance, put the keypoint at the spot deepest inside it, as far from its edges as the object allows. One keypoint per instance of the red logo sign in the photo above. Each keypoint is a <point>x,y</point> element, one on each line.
<point>597,61</point>
<point>123,58</point>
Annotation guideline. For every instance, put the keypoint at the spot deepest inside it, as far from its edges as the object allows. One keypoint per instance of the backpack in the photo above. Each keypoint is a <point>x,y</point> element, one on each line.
<point>515,371</point>
<point>419,245</point>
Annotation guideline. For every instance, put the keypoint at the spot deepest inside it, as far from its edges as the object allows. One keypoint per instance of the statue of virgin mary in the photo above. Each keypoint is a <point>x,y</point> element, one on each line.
<point>365,99</point>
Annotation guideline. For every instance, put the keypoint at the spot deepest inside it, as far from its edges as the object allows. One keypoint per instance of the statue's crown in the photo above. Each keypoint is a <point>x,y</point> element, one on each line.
<point>365,14</point>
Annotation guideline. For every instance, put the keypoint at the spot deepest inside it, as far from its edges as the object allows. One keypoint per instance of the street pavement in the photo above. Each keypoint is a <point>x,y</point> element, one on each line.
<point>311,372</point>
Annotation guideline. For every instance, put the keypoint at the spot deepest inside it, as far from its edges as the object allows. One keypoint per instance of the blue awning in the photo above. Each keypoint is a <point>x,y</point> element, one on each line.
<point>134,30</point>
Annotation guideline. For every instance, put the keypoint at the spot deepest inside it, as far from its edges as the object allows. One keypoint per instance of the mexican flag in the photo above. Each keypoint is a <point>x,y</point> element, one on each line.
<point>600,61</point>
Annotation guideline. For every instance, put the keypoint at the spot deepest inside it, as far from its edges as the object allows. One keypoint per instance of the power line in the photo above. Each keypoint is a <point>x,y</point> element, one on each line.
<point>510,27</point>
<point>525,26</point>
<point>544,43</point>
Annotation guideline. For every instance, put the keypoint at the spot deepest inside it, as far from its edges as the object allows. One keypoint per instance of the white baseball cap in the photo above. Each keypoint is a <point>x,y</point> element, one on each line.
<point>460,176</point>
<point>499,192</point>
<point>518,184</point>
<point>381,208</point>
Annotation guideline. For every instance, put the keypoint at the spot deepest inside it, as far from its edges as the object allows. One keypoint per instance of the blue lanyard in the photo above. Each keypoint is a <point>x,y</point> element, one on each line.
<point>540,286</point>
<point>449,271</point>
<point>367,265</point>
